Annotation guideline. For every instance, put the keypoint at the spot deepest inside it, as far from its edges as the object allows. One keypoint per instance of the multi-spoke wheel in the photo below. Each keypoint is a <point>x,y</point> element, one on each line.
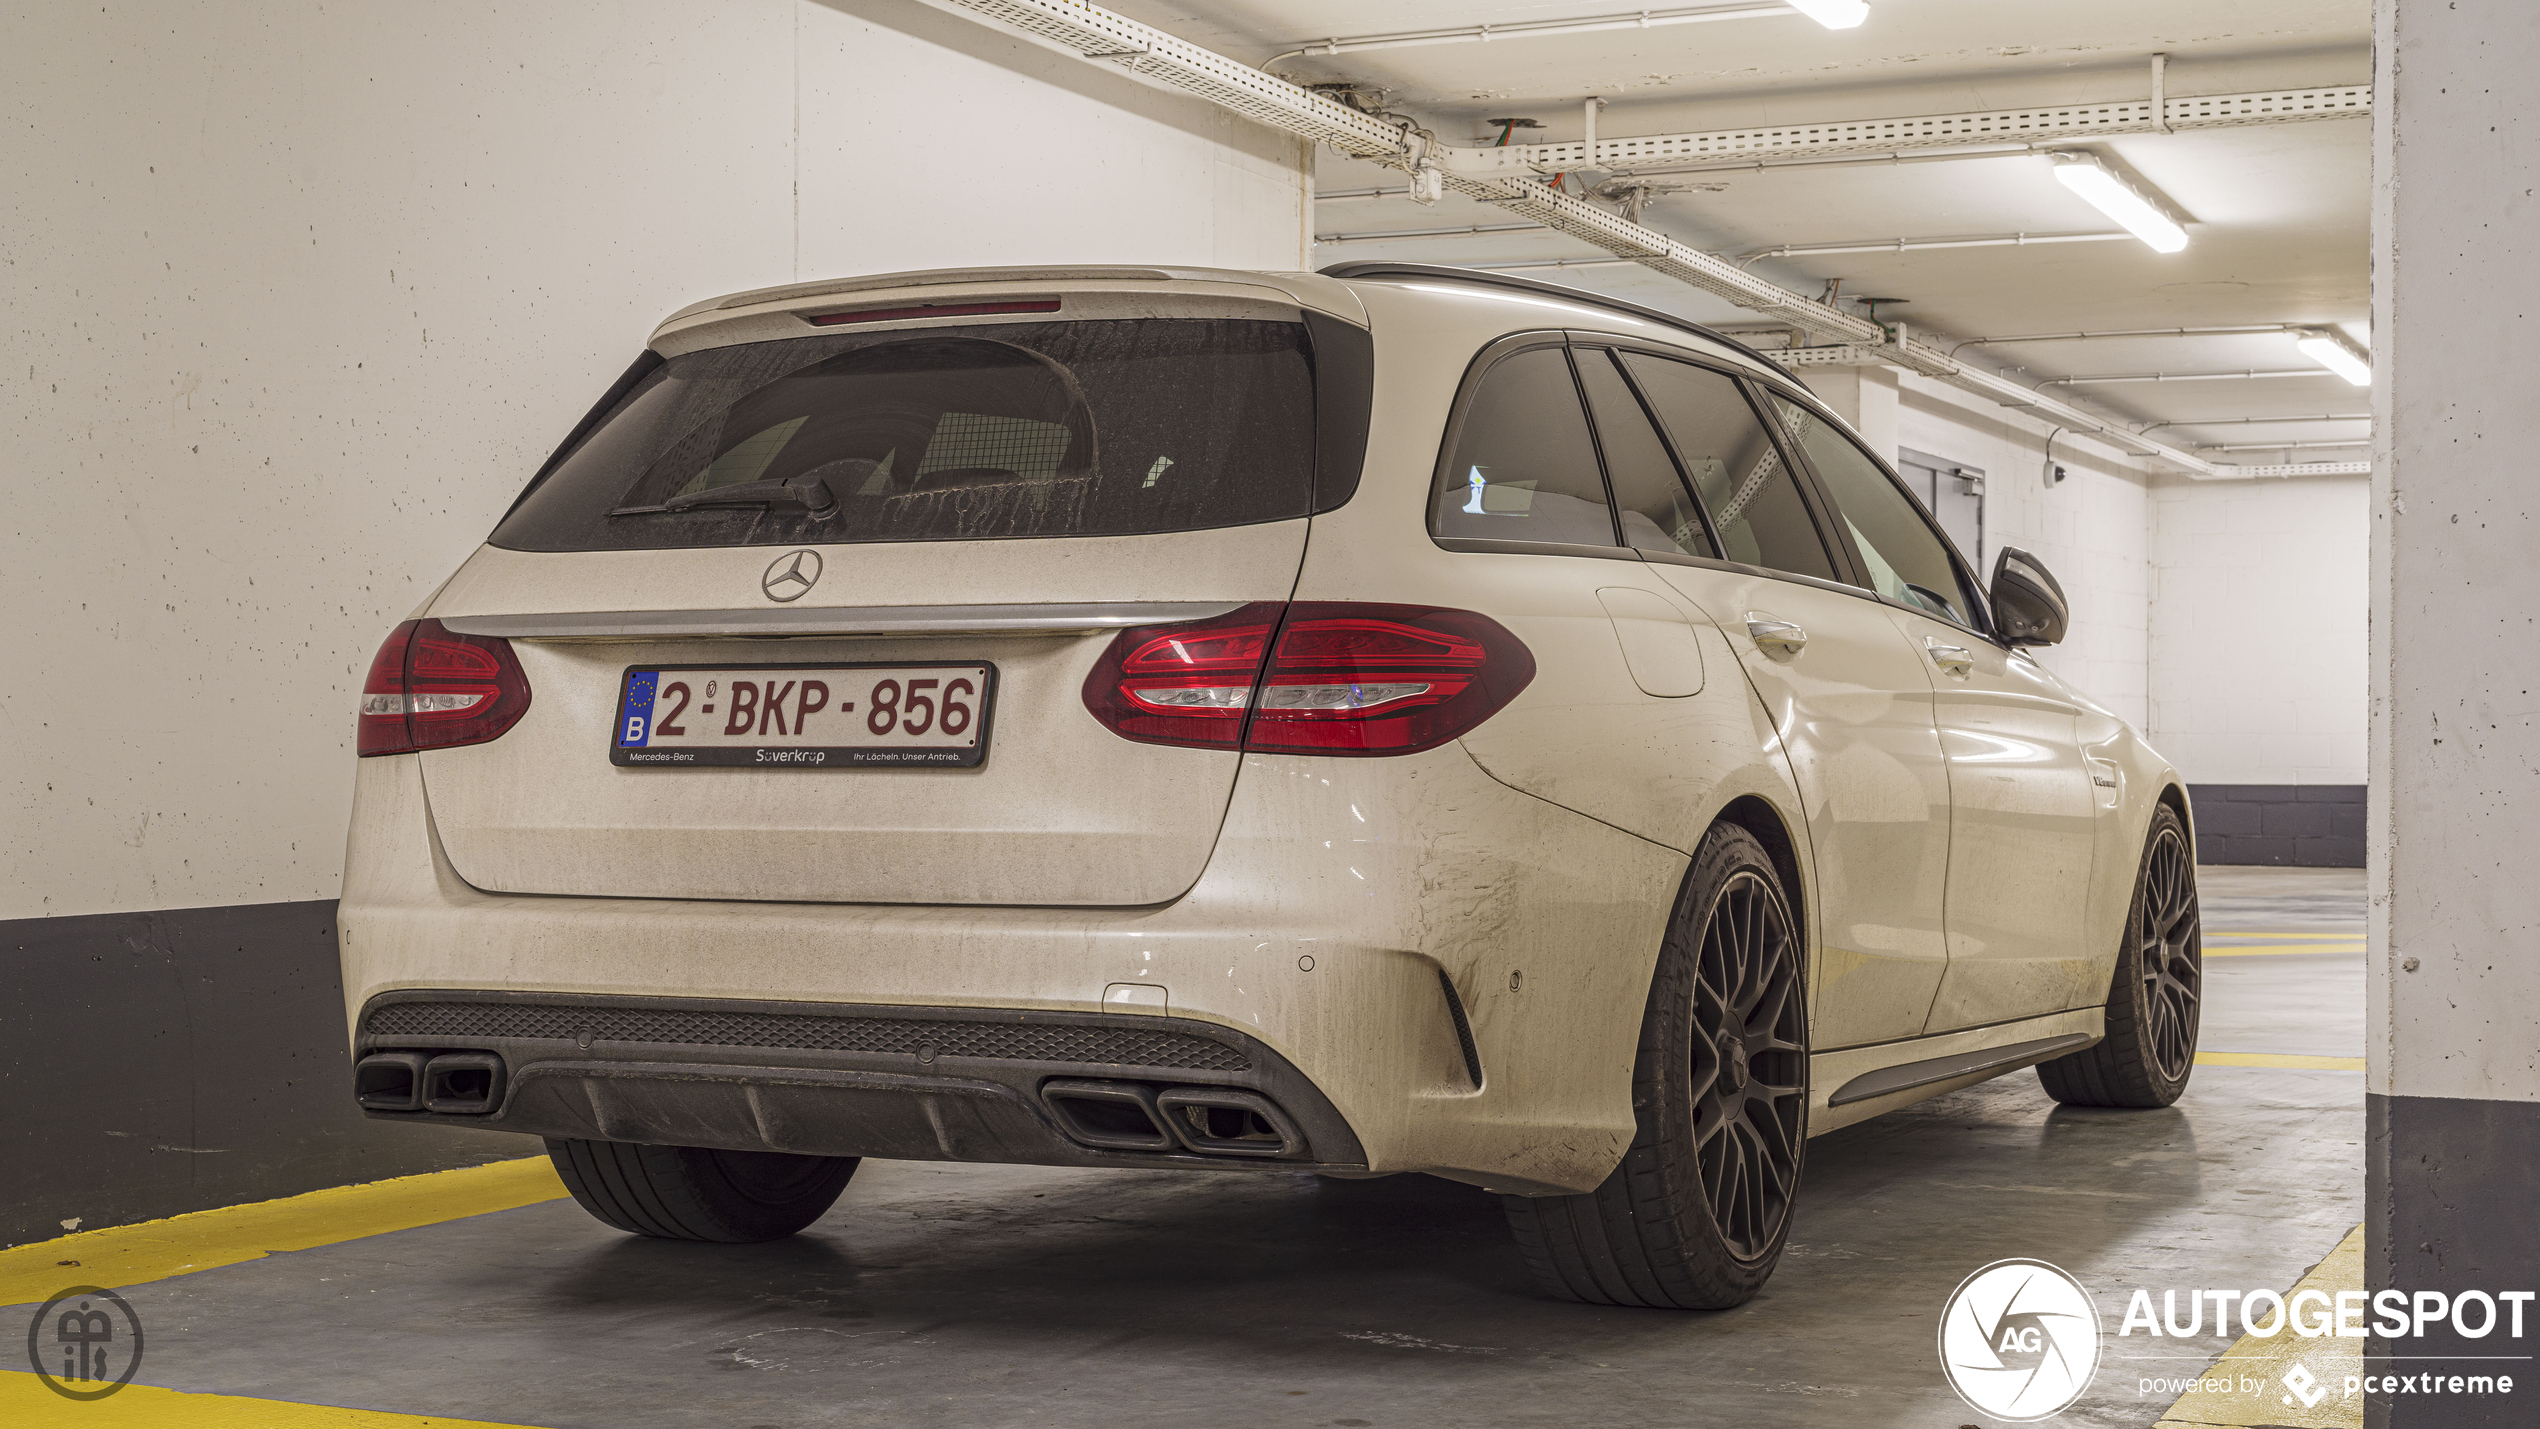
<point>1696,1214</point>
<point>2157,993</point>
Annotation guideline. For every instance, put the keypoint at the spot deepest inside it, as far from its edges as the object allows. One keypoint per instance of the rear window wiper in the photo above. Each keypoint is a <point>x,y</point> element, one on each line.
<point>809,492</point>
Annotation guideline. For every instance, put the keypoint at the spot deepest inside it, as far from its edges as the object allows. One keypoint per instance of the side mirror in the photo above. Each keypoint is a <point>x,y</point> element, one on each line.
<point>2028,605</point>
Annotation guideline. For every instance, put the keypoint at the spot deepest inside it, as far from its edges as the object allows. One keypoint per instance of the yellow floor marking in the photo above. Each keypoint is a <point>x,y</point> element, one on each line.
<point>2265,1362</point>
<point>202,1240</point>
<point>26,1404</point>
<point>2311,933</point>
<point>2279,1059</point>
<point>2271,950</point>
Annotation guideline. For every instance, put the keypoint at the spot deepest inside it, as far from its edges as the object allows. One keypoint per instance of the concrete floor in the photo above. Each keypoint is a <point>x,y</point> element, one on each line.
<point>994,1296</point>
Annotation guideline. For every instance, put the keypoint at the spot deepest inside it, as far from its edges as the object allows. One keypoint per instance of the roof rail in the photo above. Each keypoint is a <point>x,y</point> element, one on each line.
<point>1378,268</point>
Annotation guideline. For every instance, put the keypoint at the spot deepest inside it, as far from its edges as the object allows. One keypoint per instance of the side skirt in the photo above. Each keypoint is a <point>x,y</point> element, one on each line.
<point>1854,1084</point>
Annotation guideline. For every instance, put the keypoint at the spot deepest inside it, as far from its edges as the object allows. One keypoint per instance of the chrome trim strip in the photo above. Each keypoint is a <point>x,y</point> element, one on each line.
<point>778,623</point>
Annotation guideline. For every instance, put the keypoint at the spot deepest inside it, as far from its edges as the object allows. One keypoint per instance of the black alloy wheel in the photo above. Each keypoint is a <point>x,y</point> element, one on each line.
<point>1695,1216</point>
<point>2156,998</point>
<point>2170,954</point>
<point>1750,1064</point>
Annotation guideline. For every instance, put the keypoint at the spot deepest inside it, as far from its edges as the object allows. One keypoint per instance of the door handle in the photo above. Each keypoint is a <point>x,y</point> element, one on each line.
<point>1956,659</point>
<point>1773,634</point>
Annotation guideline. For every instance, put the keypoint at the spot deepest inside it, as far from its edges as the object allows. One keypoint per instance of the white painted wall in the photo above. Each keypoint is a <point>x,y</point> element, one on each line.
<point>2259,624</point>
<point>298,294</point>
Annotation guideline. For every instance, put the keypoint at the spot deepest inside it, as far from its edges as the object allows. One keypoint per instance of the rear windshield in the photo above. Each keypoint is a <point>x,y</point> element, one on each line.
<point>1105,428</point>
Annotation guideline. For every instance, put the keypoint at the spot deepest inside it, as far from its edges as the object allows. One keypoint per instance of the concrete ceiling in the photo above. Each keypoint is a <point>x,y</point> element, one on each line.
<point>2279,214</point>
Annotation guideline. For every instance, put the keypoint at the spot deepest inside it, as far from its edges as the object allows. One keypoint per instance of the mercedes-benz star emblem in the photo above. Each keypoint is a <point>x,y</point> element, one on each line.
<point>790,577</point>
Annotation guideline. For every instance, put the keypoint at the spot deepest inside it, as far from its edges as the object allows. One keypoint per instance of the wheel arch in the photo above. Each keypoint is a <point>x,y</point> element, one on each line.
<point>1756,815</point>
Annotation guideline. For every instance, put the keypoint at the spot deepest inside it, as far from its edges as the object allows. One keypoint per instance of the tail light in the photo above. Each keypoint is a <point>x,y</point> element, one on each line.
<point>430,688</point>
<point>1312,677</point>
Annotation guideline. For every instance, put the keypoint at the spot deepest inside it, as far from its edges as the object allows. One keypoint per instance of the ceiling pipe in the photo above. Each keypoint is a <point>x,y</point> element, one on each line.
<point>2275,446</point>
<point>2256,421</point>
<point>2183,377</point>
<point>1399,142</point>
<point>1910,245</point>
<point>1380,235</point>
<point>1525,29</point>
<point>2253,330</point>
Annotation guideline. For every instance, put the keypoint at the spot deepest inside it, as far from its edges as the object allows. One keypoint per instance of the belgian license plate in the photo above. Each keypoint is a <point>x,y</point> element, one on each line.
<point>804,716</point>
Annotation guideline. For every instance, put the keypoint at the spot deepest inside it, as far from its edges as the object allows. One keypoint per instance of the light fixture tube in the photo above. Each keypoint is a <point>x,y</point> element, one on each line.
<point>1833,14</point>
<point>2325,349</point>
<point>2113,196</point>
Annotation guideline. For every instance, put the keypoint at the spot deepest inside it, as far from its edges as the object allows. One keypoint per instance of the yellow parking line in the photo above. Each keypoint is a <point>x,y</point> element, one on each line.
<point>2268,950</point>
<point>26,1404</point>
<point>202,1240</point>
<point>2311,933</point>
<point>2279,1059</point>
<point>2265,1361</point>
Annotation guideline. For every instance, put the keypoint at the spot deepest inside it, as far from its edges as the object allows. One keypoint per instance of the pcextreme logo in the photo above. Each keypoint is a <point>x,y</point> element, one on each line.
<point>2019,1340</point>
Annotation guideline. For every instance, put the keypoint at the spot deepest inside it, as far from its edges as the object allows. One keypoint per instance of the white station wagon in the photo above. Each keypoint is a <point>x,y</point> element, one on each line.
<point>1391,719</point>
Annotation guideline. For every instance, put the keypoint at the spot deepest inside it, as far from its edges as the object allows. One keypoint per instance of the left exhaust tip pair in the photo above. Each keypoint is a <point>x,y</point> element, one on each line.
<point>449,1083</point>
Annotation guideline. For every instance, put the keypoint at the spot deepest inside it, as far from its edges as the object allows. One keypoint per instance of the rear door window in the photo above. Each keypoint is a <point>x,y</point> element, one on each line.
<point>1095,428</point>
<point>1650,500</point>
<point>1524,467</point>
<point>1739,473</point>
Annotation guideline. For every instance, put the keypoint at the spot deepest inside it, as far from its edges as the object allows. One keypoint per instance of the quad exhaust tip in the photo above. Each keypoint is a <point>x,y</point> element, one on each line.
<point>448,1083</point>
<point>1212,1121</point>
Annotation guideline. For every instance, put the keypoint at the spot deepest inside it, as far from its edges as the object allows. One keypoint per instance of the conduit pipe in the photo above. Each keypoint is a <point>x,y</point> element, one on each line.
<point>1529,29</point>
<point>1095,33</point>
<point>1909,245</point>
<point>2184,377</point>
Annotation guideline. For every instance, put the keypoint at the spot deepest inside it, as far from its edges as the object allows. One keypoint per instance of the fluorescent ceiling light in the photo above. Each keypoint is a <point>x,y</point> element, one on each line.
<point>2113,196</point>
<point>2328,351</point>
<point>1833,14</point>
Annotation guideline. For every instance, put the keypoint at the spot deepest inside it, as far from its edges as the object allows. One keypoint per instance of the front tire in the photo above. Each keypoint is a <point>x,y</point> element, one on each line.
<point>699,1192</point>
<point>2157,997</point>
<point>1696,1215</point>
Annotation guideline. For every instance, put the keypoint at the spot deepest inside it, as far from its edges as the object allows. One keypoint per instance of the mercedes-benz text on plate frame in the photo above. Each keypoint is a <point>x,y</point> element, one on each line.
<point>791,576</point>
<point>804,716</point>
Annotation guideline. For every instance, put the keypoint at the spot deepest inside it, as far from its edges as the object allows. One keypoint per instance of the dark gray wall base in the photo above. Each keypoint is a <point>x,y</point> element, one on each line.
<point>2447,1199</point>
<point>2290,825</point>
<point>154,1063</point>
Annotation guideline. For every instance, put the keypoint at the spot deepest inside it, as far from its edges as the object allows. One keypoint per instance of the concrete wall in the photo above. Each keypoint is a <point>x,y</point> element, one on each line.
<point>2453,1024</point>
<point>299,294</point>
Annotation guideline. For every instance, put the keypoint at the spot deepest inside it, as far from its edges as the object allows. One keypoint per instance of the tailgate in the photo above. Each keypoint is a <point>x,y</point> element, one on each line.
<point>1056,810</point>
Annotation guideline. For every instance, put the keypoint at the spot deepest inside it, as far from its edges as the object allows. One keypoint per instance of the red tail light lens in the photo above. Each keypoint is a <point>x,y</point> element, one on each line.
<point>430,688</point>
<point>1341,678</point>
<point>1184,684</point>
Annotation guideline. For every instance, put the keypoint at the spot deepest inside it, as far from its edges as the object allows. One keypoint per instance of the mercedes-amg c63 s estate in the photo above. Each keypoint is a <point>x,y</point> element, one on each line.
<point>1390,719</point>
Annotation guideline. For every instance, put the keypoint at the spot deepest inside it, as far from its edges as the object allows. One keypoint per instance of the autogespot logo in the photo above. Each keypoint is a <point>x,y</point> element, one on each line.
<point>2019,1340</point>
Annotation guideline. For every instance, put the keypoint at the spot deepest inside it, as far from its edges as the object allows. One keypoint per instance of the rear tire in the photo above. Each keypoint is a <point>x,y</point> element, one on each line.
<point>699,1192</point>
<point>2158,992</point>
<point>1696,1215</point>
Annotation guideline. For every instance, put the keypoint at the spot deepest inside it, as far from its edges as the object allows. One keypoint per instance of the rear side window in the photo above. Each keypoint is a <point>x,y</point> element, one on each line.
<point>1101,428</point>
<point>1755,506</point>
<point>1524,467</point>
<point>1903,558</point>
<point>1649,499</point>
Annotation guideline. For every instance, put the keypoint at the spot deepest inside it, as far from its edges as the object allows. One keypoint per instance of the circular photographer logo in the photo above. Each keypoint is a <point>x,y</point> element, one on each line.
<point>85,1343</point>
<point>2019,1340</point>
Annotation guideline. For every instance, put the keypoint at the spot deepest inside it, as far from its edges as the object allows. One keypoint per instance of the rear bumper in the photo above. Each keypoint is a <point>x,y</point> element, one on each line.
<point>1340,899</point>
<point>822,1079</point>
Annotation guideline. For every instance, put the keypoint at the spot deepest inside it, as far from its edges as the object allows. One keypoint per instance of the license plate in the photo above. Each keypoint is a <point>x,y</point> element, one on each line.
<point>804,716</point>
